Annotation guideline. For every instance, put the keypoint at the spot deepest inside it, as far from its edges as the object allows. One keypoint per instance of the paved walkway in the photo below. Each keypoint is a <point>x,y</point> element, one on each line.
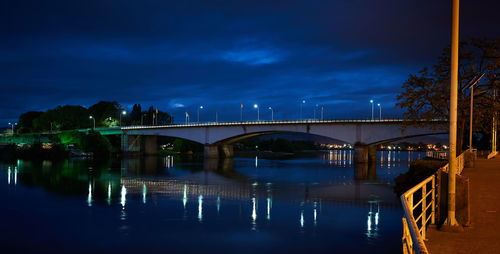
<point>484,234</point>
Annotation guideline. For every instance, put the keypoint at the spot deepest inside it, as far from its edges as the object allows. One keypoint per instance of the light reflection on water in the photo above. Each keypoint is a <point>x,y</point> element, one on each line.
<point>314,204</point>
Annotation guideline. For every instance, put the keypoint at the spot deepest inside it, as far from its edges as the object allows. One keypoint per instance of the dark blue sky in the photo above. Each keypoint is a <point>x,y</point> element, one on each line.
<point>177,55</point>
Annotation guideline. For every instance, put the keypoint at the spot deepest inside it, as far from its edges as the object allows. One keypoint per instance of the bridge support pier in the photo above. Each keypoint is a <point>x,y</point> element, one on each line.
<point>218,151</point>
<point>227,151</point>
<point>211,151</point>
<point>137,144</point>
<point>150,145</point>
<point>130,143</point>
<point>365,162</point>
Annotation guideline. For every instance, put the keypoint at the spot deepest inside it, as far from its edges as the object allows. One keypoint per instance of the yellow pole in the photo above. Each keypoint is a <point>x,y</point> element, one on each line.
<point>450,220</point>
<point>471,115</point>
<point>494,129</point>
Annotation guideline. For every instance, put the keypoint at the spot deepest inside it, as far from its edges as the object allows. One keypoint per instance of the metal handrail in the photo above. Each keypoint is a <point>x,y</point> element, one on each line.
<point>437,154</point>
<point>413,235</point>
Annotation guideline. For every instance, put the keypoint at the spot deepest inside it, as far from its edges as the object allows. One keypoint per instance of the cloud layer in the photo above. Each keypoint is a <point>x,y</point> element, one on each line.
<point>178,55</point>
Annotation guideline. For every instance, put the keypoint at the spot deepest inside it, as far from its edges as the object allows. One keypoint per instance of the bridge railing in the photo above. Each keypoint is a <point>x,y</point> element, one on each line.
<point>264,122</point>
<point>437,154</point>
<point>420,201</point>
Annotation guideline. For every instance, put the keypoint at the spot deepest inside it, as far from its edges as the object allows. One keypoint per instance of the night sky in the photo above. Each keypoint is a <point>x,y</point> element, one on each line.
<point>178,55</point>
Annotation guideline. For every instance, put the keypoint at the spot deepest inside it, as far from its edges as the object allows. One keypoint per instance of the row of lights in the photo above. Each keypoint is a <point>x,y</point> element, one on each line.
<point>255,106</point>
<point>380,110</point>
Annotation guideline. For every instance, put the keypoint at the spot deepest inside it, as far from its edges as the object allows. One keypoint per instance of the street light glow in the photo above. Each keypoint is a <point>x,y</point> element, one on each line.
<point>124,112</point>
<point>255,106</point>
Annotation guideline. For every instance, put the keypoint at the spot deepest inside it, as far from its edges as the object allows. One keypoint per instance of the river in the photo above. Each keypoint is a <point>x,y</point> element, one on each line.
<point>316,204</point>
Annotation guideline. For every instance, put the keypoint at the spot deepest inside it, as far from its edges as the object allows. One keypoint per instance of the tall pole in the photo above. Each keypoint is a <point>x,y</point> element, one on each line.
<point>257,107</point>
<point>216,116</point>
<point>380,111</point>
<point>272,114</point>
<point>90,117</point>
<point>494,130</point>
<point>451,220</point>
<point>371,101</point>
<point>241,112</point>
<point>470,120</point>
<point>198,111</point>
<point>321,112</point>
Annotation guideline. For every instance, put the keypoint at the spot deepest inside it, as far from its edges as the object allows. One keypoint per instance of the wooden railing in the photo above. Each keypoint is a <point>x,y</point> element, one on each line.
<point>420,201</point>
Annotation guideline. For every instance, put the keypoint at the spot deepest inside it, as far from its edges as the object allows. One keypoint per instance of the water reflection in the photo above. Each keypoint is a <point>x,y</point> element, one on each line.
<point>123,196</point>
<point>200,208</point>
<point>230,191</point>
<point>343,158</point>
<point>89,198</point>
<point>254,214</point>
<point>372,222</point>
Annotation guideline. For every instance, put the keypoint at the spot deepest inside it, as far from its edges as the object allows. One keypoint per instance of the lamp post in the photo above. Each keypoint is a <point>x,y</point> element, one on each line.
<point>380,111</point>
<point>12,126</point>
<point>123,113</point>
<point>272,113</point>
<point>198,112</point>
<point>471,85</point>
<point>257,107</point>
<point>241,112</point>
<point>91,117</point>
<point>371,101</point>
<point>187,117</point>
<point>321,112</point>
<point>303,102</point>
<point>451,220</point>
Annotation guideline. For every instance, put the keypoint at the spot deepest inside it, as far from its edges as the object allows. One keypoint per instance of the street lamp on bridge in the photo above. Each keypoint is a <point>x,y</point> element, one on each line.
<point>303,102</point>
<point>371,101</point>
<point>123,113</point>
<point>91,117</point>
<point>257,107</point>
<point>321,112</point>
<point>198,114</point>
<point>12,126</point>
<point>272,113</point>
<point>380,111</point>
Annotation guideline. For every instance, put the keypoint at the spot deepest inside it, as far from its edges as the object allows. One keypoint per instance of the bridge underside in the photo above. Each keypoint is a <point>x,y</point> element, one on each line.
<point>218,139</point>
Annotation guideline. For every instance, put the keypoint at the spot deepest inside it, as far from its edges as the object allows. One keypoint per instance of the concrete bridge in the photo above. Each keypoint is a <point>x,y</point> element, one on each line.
<point>218,138</point>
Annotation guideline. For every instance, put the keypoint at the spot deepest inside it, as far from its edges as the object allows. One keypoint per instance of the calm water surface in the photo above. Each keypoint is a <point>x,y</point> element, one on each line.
<point>321,204</point>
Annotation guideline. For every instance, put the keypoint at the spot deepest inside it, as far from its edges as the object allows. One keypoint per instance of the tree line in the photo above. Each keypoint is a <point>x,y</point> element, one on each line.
<point>104,113</point>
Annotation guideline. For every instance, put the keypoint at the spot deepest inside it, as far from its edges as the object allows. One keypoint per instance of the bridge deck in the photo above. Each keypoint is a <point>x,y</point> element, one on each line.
<point>482,236</point>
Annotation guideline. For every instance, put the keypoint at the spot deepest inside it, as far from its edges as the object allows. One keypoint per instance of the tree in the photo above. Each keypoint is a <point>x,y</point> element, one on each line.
<point>62,118</point>
<point>156,117</point>
<point>135,115</point>
<point>426,94</point>
<point>25,123</point>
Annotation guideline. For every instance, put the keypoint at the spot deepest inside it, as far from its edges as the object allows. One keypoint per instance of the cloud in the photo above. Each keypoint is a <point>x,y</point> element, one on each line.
<point>178,55</point>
